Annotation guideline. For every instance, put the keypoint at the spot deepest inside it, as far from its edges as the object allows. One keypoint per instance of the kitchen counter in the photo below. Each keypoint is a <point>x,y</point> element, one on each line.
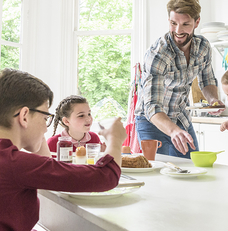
<point>209,120</point>
<point>163,203</point>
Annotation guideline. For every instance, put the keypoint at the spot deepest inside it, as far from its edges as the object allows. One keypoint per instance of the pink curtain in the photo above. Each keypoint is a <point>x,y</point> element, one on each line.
<point>132,140</point>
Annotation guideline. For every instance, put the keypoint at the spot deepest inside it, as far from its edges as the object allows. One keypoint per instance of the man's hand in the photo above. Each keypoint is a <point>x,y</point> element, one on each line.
<point>180,140</point>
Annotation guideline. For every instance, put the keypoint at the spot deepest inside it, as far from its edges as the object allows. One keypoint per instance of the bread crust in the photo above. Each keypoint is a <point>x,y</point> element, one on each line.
<point>133,161</point>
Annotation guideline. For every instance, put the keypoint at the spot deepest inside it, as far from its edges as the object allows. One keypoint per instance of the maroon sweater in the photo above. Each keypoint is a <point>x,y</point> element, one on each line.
<point>52,141</point>
<point>22,173</point>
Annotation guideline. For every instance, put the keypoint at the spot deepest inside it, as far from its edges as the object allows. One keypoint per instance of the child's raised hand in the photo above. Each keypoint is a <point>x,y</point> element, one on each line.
<point>224,126</point>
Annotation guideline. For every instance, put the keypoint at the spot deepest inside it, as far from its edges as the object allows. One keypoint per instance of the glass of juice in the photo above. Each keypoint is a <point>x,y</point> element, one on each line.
<point>92,152</point>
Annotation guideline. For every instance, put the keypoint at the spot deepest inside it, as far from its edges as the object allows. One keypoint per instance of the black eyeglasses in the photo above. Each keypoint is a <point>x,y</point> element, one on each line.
<point>49,118</point>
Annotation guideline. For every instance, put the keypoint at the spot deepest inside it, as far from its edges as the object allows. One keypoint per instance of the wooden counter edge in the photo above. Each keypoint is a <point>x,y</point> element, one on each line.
<point>209,120</point>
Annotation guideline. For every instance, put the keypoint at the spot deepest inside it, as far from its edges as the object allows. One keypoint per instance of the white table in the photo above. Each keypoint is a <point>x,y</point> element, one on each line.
<point>163,204</point>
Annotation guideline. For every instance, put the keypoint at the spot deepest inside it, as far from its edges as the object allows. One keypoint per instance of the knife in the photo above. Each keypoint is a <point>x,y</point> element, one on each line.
<point>130,184</point>
<point>128,181</point>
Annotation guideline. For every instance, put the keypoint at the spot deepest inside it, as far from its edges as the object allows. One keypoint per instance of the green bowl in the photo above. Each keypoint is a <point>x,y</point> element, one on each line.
<point>203,159</point>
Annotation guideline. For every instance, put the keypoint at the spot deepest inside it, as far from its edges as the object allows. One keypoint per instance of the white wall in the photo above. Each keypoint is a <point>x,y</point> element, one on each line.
<point>158,18</point>
<point>48,50</point>
<point>219,14</point>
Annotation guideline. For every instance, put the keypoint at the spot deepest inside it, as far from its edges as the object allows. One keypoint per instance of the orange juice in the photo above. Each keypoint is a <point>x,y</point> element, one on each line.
<point>90,161</point>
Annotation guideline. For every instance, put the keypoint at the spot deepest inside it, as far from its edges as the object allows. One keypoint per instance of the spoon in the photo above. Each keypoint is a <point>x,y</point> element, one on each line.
<point>179,170</point>
<point>218,152</point>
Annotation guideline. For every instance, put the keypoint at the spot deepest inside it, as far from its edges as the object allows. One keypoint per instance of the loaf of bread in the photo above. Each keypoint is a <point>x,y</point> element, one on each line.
<point>135,161</point>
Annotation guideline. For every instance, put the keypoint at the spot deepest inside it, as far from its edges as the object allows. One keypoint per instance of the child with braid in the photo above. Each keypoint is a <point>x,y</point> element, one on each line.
<point>74,114</point>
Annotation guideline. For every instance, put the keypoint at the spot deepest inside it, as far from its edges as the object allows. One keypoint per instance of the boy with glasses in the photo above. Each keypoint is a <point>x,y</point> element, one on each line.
<point>24,118</point>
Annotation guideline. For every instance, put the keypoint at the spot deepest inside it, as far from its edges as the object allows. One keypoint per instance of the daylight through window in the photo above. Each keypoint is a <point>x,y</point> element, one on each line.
<point>104,55</point>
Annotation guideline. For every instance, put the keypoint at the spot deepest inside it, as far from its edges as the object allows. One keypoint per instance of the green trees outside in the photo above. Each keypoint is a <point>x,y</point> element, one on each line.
<point>104,63</point>
<point>105,60</point>
<point>11,27</point>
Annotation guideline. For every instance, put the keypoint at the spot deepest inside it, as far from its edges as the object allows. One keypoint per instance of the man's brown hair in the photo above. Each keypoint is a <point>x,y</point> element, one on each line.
<point>19,89</point>
<point>190,7</point>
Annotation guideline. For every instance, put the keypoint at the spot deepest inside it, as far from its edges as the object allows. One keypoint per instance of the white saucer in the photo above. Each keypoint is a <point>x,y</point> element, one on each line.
<point>194,172</point>
<point>155,165</point>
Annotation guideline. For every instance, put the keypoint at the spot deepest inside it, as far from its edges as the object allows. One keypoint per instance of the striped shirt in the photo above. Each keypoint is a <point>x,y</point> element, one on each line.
<point>167,78</point>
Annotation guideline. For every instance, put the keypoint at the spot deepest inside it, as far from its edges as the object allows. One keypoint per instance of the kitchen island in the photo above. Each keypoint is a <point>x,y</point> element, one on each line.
<point>163,203</point>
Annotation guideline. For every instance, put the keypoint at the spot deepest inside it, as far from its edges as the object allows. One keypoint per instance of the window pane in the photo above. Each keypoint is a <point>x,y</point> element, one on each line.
<point>10,57</point>
<point>11,20</point>
<point>105,72</point>
<point>105,15</point>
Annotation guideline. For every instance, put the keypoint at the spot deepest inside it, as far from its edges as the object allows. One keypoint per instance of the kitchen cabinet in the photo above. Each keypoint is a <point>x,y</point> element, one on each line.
<point>210,138</point>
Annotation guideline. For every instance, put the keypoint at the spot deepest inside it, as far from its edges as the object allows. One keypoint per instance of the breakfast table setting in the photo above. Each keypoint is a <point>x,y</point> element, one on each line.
<point>159,198</point>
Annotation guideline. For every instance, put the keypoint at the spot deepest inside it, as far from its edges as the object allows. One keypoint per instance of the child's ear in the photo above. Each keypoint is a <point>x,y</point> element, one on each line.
<point>23,117</point>
<point>65,121</point>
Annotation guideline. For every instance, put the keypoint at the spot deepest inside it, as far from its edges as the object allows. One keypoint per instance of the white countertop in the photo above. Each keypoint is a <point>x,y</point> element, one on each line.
<point>162,204</point>
<point>209,120</point>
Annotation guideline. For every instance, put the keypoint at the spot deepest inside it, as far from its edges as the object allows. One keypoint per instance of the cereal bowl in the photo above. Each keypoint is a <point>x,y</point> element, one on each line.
<point>203,159</point>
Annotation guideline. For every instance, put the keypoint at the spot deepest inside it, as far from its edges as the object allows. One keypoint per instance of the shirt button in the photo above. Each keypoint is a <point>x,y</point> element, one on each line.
<point>101,163</point>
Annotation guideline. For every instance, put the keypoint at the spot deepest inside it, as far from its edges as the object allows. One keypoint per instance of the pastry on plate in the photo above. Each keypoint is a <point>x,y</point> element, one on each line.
<point>135,161</point>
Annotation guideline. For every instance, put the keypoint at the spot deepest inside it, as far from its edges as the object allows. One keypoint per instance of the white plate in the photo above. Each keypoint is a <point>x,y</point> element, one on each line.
<point>213,24</point>
<point>208,109</point>
<point>212,30</point>
<point>224,32</point>
<point>194,172</point>
<point>203,109</point>
<point>155,165</point>
<point>113,193</point>
<point>223,37</point>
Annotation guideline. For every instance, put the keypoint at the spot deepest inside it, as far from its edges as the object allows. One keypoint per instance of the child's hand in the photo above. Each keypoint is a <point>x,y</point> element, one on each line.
<point>224,126</point>
<point>103,147</point>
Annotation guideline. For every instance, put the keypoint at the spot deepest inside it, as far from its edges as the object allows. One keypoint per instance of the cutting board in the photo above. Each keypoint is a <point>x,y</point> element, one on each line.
<point>197,94</point>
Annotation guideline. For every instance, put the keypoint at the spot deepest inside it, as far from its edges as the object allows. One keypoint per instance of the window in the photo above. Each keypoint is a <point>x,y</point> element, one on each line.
<point>104,34</point>
<point>10,28</point>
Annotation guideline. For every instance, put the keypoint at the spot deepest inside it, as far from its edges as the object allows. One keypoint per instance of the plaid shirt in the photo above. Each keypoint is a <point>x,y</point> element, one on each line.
<point>167,79</point>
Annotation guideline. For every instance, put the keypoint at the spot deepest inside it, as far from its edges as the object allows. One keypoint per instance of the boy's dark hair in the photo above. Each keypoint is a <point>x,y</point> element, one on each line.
<point>65,108</point>
<point>190,7</point>
<point>19,89</point>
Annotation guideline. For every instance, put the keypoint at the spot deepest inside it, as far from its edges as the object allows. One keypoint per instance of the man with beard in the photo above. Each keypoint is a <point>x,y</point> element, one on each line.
<point>170,66</point>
